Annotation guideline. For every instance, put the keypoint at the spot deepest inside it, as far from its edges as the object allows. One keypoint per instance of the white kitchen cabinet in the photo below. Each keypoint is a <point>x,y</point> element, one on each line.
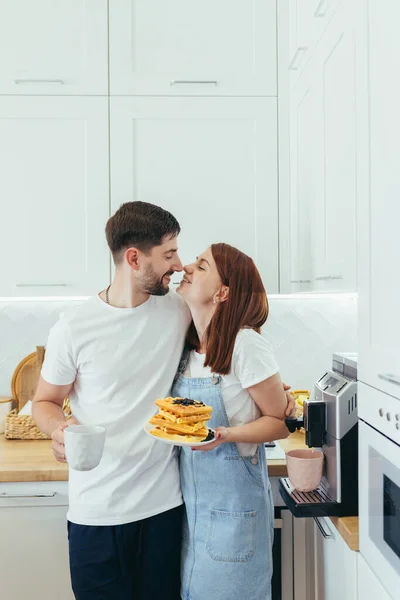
<point>334,73</point>
<point>182,47</point>
<point>300,26</point>
<point>50,47</point>
<point>306,21</point>
<point>54,186</point>
<point>368,585</point>
<point>318,152</point>
<point>379,209</point>
<point>302,184</point>
<point>33,542</point>
<point>335,565</point>
<point>211,161</point>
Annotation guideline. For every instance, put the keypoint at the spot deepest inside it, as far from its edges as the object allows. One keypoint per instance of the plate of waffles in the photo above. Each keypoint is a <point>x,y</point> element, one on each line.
<point>181,422</point>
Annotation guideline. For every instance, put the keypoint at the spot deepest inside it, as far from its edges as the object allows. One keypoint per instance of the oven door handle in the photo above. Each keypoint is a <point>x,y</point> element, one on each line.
<point>326,533</point>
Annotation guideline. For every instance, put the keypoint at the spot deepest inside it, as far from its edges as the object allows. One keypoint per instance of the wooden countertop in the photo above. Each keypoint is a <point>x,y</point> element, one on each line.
<point>32,460</point>
<point>29,460</point>
<point>348,529</point>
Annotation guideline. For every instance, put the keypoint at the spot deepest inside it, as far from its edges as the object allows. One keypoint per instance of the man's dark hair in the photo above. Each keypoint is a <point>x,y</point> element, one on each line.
<point>140,225</point>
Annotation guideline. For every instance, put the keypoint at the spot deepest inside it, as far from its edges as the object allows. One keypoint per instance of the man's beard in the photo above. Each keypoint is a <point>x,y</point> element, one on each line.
<point>153,284</point>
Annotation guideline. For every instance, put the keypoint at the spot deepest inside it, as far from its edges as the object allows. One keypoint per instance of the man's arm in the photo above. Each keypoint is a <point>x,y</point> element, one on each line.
<point>48,414</point>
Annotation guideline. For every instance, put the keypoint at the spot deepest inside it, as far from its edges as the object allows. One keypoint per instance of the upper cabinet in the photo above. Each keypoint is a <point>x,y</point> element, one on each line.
<point>318,143</point>
<point>190,48</point>
<point>379,209</point>
<point>302,185</point>
<point>211,161</point>
<point>53,47</point>
<point>54,188</point>
<point>335,165</point>
<point>297,36</point>
<point>307,21</point>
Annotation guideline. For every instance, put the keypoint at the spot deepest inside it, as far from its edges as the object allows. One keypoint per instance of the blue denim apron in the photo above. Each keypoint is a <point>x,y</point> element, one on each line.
<point>228,529</point>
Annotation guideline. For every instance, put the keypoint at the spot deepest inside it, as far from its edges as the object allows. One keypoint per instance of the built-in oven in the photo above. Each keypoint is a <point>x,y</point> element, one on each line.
<point>379,480</point>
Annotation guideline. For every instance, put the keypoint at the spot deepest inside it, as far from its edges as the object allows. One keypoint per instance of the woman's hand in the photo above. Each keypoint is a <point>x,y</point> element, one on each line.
<point>291,403</point>
<point>221,436</point>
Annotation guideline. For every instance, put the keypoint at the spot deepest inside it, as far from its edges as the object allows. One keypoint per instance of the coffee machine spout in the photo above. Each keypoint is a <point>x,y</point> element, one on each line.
<point>313,421</point>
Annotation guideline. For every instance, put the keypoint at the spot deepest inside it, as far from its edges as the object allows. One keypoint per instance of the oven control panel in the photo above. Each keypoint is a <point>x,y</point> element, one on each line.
<point>379,410</point>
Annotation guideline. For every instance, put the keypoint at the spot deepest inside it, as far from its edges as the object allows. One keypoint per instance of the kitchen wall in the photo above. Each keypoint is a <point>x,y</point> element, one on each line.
<point>304,331</point>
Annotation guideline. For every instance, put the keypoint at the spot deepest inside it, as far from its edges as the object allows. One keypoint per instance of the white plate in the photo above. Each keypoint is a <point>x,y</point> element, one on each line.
<point>148,428</point>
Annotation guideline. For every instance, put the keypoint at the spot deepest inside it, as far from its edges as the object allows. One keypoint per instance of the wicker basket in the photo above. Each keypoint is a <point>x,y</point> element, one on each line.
<point>22,427</point>
<point>24,383</point>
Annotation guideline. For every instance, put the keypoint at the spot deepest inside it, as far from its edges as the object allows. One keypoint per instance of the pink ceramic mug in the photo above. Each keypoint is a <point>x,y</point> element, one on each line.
<point>305,468</point>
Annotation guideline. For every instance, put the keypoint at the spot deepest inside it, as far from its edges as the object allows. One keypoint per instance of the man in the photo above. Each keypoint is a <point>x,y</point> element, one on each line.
<point>113,356</point>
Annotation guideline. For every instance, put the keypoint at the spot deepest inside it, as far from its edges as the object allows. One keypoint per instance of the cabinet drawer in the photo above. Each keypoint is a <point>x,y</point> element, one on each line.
<point>44,493</point>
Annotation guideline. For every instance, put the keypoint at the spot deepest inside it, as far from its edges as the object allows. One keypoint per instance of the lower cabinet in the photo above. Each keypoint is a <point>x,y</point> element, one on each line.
<point>33,541</point>
<point>324,567</point>
<point>335,565</point>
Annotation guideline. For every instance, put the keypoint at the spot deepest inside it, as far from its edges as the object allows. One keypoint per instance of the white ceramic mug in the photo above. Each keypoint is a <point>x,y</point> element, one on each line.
<point>84,445</point>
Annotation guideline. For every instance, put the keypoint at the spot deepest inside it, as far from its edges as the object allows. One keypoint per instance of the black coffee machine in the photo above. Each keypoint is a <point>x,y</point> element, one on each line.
<point>330,420</point>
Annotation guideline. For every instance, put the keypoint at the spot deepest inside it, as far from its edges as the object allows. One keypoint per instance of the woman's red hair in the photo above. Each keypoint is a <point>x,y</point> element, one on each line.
<point>245,307</point>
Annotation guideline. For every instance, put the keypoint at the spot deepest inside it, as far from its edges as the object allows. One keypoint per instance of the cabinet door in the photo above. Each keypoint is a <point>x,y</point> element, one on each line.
<point>379,213</point>
<point>335,567</point>
<point>211,161</point>
<point>182,47</point>
<point>53,47</point>
<point>302,186</point>
<point>33,542</point>
<point>368,585</point>
<point>335,169</point>
<point>308,20</point>
<point>300,40</point>
<point>322,12</point>
<point>55,195</point>
<point>34,553</point>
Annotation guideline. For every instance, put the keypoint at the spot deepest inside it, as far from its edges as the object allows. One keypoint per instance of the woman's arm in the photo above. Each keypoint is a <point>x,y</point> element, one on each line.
<point>270,397</point>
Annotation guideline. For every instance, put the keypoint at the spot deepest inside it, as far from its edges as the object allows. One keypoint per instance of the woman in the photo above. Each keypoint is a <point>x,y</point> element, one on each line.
<point>228,533</point>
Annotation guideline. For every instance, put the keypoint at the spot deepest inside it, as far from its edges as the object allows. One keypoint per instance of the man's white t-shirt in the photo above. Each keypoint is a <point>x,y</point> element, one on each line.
<point>122,360</point>
<point>252,362</point>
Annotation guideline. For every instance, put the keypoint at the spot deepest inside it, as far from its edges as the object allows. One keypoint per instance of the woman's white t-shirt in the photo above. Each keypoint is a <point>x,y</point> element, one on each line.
<point>252,362</point>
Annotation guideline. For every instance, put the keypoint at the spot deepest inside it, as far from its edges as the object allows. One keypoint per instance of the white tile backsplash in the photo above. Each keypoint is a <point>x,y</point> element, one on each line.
<point>303,332</point>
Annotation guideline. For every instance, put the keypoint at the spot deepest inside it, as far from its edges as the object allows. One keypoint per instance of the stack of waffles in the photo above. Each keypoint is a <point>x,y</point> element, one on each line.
<point>182,420</point>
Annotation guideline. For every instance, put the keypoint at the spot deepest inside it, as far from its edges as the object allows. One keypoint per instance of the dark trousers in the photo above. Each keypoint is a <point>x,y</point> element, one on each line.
<point>134,561</point>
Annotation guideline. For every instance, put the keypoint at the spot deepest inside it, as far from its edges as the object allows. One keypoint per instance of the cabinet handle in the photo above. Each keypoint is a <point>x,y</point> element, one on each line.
<point>300,281</point>
<point>295,62</point>
<point>189,81</point>
<point>41,81</point>
<point>321,9</point>
<point>329,278</point>
<point>41,285</point>
<point>42,495</point>
<point>326,534</point>
<point>390,378</point>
